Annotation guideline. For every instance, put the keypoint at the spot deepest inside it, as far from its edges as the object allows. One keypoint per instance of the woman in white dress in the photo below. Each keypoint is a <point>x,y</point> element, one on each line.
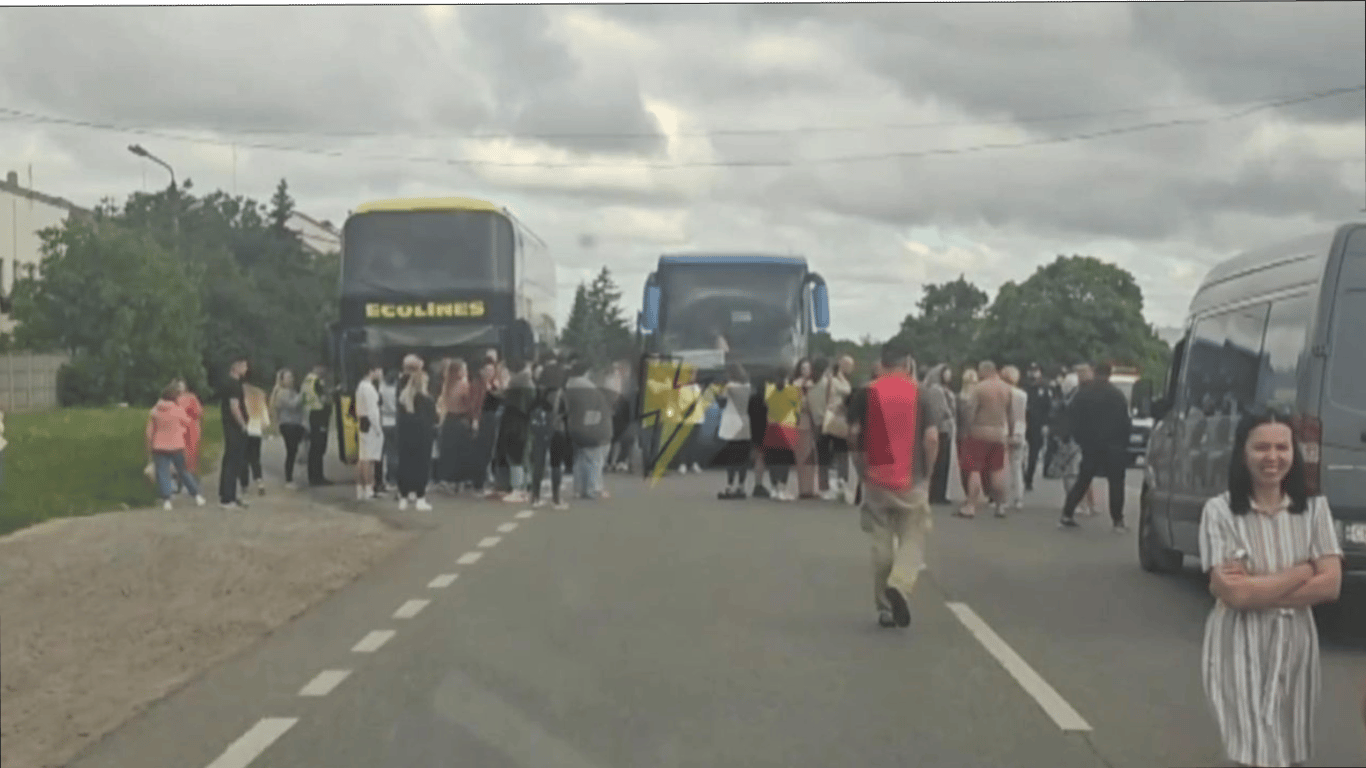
<point>1272,553</point>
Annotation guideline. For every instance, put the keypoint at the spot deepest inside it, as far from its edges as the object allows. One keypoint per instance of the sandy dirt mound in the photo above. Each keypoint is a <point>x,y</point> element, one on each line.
<point>101,616</point>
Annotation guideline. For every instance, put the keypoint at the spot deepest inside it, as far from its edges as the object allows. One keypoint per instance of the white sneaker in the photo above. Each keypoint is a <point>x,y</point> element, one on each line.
<point>697,468</point>
<point>423,506</point>
<point>517,497</point>
<point>199,501</point>
<point>166,505</point>
<point>402,505</point>
<point>290,486</point>
<point>683,469</point>
<point>562,505</point>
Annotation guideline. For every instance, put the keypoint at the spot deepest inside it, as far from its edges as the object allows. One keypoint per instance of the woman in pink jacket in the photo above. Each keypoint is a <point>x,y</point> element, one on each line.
<point>195,410</point>
<point>167,427</point>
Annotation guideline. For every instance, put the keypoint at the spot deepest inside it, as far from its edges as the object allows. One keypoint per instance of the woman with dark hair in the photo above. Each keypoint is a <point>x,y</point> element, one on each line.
<point>1272,553</point>
<point>416,433</point>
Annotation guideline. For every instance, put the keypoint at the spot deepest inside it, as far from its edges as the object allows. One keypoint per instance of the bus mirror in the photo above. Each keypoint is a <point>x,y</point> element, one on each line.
<point>649,312</point>
<point>1143,398</point>
<point>822,307</point>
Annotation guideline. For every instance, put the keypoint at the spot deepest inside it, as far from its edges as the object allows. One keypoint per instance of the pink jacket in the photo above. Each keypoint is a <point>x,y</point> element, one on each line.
<point>167,426</point>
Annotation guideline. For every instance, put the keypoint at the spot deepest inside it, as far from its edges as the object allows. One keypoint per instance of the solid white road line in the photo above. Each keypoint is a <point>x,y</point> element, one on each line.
<point>469,558</point>
<point>443,581</point>
<point>1062,713</point>
<point>507,527</point>
<point>373,641</point>
<point>524,514</point>
<point>251,744</point>
<point>411,609</point>
<point>325,682</point>
<point>489,541</point>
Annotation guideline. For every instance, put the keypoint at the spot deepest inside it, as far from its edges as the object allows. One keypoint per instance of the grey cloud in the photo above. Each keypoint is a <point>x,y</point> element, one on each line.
<point>313,69</point>
<point>542,89</point>
<point>1236,51</point>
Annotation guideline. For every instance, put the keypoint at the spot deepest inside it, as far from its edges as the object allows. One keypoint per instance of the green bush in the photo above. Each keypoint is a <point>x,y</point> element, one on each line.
<point>81,461</point>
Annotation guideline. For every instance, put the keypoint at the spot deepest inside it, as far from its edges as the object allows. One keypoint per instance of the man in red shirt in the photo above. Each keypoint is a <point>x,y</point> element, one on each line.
<point>898,441</point>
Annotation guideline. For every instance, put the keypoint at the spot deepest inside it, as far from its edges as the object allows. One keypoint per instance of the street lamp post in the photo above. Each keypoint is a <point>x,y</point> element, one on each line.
<point>138,150</point>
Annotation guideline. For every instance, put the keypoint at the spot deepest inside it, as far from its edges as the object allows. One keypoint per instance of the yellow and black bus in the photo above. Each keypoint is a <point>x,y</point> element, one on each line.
<point>438,277</point>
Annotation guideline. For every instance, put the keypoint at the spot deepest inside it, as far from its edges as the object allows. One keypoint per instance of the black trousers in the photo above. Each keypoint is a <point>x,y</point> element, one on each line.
<point>234,463</point>
<point>414,462</point>
<point>1034,437</point>
<point>1108,462</point>
<point>317,446</point>
<point>939,478</point>
<point>251,467</point>
<point>293,435</point>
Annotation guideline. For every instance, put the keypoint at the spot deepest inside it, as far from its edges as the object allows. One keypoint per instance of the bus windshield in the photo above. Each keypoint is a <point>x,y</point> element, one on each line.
<point>426,252</point>
<point>755,308</point>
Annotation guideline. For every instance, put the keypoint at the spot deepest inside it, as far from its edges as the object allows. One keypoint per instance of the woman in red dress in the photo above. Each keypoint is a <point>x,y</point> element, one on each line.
<point>195,410</point>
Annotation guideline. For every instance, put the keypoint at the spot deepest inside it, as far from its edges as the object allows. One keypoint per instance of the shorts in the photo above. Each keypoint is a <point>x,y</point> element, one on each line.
<point>371,445</point>
<point>979,455</point>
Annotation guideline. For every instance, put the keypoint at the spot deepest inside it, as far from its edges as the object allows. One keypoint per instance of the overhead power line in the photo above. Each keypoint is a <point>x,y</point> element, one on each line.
<point>1252,108</point>
<point>17,115</point>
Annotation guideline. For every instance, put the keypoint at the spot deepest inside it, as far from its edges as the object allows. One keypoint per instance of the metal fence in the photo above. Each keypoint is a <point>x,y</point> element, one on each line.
<point>28,382</point>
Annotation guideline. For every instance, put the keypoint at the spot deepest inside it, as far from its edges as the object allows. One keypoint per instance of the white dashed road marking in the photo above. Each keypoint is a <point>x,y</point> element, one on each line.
<point>489,541</point>
<point>373,641</point>
<point>325,682</point>
<point>525,514</point>
<point>1057,708</point>
<point>251,744</point>
<point>469,558</point>
<point>507,527</point>
<point>411,609</point>
<point>443,581</point>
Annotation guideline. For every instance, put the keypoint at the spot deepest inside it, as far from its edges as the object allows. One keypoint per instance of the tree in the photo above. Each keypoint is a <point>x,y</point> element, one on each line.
<point>949,320</point>
<point>123,307</point>
<point>597,329</point>
<point>259,291</point>
<point>1076,308</point>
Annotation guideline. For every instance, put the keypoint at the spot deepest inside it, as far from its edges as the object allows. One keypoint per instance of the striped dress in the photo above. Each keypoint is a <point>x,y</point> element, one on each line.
<point>1261,667</point>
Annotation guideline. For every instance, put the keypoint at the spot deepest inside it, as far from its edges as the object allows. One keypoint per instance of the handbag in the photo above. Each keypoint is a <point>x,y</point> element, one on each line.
<point>732,423</point>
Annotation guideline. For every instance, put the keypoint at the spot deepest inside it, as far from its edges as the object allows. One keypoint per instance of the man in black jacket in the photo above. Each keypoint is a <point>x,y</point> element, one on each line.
<point>1100,423</point>
<point>1039,408</point>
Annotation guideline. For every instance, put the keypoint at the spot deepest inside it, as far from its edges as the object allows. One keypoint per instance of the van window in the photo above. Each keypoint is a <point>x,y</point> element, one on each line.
<point>1224,359</point>
<point>1347,361</point>
<point>1287,331</point>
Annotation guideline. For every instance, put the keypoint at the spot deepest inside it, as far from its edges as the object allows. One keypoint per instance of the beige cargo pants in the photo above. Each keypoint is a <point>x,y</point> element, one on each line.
<point>899,523</point>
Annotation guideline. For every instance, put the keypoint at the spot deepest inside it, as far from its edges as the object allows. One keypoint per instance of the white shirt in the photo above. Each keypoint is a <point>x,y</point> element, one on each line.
<point>367,402</point>
<point>1019,403</point>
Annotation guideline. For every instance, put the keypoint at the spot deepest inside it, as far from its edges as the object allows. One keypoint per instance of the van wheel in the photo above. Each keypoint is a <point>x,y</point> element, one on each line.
<point>1154,557</point>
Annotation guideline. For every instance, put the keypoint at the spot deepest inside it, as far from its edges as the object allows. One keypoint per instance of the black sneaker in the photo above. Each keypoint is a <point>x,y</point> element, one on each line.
<point>901,612</point>
<point>760,492</point>
<point>1120,528</point>
<point>885,619</point>
<point>1068,522</point>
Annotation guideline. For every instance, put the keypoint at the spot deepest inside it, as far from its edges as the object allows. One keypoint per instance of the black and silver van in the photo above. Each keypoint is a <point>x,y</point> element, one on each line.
<point>1283,326</point>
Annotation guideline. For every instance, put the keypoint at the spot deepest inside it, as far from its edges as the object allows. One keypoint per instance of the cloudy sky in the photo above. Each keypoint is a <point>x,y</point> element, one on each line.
<point>892,144</point>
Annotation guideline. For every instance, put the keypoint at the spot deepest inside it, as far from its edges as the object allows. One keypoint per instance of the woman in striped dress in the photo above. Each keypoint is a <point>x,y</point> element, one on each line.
<point>1272,553</point>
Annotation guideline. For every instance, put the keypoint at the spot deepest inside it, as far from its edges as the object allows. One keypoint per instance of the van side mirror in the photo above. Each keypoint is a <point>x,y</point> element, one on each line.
<point>1159,408</point>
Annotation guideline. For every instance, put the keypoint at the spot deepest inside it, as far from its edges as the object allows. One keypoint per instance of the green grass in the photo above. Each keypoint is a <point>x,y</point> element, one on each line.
<point>80,461</point>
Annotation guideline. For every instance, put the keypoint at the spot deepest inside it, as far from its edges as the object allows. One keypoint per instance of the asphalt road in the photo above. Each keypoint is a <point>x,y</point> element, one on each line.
<point>666,628</point>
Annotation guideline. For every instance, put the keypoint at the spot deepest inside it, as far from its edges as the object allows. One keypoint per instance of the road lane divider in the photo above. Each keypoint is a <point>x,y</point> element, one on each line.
<point>469,558</point>
<point>411,608</point>
<point>325,682</point>
<point>443,581</point>
<point>373,641</point>
<point>251,744</point>
<point>1052,702</point>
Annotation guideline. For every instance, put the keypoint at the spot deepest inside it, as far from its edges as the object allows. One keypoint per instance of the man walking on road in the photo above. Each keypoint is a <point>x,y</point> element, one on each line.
<point>234,435</point>
<point>1100,424</point>
<point>989,415</point>
<point>899,437</point>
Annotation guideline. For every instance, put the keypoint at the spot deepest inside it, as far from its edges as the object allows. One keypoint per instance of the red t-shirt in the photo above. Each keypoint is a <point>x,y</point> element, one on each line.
<point>889,431</point>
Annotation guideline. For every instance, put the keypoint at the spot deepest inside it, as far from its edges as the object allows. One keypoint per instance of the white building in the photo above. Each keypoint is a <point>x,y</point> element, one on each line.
<point>318,237</point>
<point>23,214</point>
